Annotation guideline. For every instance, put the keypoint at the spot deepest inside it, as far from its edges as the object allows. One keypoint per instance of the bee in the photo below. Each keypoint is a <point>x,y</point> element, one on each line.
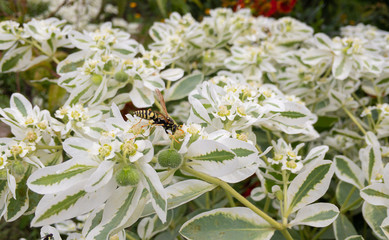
<point>163,119</point>
<point>48,237</point>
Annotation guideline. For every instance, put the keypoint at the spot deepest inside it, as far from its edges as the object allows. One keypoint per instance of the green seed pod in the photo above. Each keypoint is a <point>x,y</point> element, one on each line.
<point>127,176</point>
<point>96,79</point>
<point>18,168</point>
<point>121,76</point>
<point>169,158</point>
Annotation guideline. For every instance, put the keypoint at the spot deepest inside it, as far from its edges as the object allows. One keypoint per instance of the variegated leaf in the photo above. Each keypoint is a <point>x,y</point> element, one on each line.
<point>184,86</point>
<point>247,158</point>
<point>316,215</point>
<point>377,194</point>
<point>385,227</point>
<point>347,171</point>
<point>371,160</point>
<point>316,154</point>
<point>212,158</point>
<point>70,203</point>
<point>118,209</point>
<point>20,102</point>
<point>227,223</point>
<point>16,59</point>
<point>18,205</point>
<point>355,237</point>
<point>309,185</point>
<point>374,216</point>
<point>198,113</point>
<point>181,193</point>
<point>172,74</point>
<point>72,62</point>
<point>60,177</point>
<point>343,228</point>
<point>153,184</point>
<point>346,191</point>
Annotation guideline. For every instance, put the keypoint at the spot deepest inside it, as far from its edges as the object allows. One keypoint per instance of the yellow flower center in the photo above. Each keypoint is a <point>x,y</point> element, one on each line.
<point>129,147</point>
<point>223,111</point>
<point>105,150</point>
<point>291,164</point>
<point>31,136</point>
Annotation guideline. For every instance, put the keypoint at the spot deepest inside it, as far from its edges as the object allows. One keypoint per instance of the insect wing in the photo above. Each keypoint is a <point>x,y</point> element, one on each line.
<point>162,102</point>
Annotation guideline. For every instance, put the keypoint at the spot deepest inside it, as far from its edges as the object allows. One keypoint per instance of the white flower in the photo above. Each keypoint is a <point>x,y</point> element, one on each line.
<point>348,56</point>
<point>105,40</point>
<point>79,13</point>
<point>287,156</point>
<point>10,33</point>
<point>289,30</point>
<point>3,160</point>
<point>251,61</point>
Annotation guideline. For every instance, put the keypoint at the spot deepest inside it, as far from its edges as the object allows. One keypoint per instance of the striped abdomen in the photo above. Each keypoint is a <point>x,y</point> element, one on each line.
<point>147,114</point>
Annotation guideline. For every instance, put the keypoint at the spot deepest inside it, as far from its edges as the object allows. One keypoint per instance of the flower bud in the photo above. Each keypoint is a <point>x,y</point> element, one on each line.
<point>127,176</point>
<point>96,79</point>
<point>169,158</point>
<point>18,168</point>
<point>121,76</point>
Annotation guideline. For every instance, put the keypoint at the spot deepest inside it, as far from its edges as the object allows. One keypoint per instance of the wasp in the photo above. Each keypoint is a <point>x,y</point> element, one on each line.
<point>48,237</point>
<point>163,119</point>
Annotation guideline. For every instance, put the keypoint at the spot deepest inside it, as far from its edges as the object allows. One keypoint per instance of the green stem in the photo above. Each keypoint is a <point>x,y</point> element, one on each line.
<point>356,202</point>
<point>207,204</point>
<point>347,198</point>
<point>35,44</point>
<point>230,199</point>
<point>264,158</point>
<point>353,118</point>
<point>285,177</point>
<point>241,199</point>
<point>128,236</point>
<point>267,204</point>
<point>323,230</point>
<point>169,83</point>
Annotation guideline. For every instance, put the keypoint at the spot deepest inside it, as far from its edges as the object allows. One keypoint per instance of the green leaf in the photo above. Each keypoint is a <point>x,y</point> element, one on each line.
<point>122,51</point>
<point>242,152</point>
<point>227,223</point>
<point>325,122</point>
<point>292,114</point>
<point>374,216</point>
<point>343,228</point>
<point>161,5</point>
<point>183,87</point>
<point>342,193</point>
<point>216,156</point>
